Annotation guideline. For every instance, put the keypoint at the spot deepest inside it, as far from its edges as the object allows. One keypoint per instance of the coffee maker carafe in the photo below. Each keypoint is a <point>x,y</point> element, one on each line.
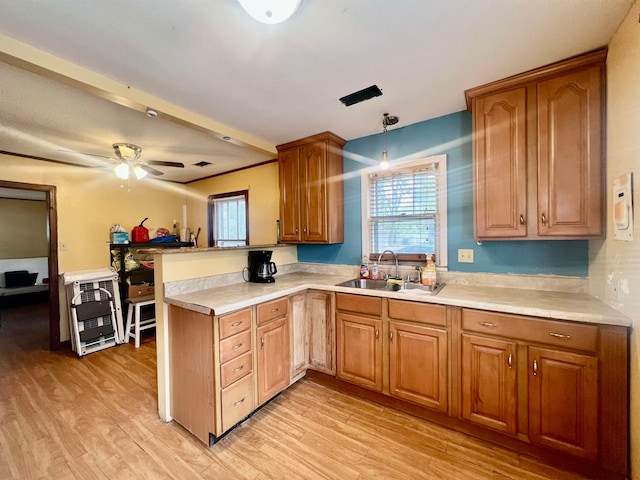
<point>261,268</point>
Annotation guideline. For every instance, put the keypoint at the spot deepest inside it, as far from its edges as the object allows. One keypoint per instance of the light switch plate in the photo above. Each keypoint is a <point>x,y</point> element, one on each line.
<point>465,255</point>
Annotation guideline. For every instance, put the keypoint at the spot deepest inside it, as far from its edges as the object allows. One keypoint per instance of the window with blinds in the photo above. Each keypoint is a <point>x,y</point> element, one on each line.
<point>228,220</point>
<point>405,209</point>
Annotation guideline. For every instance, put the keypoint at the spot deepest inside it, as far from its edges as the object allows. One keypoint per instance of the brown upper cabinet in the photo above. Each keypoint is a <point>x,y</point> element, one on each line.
<point>538,152</point>
<point>311,192</point>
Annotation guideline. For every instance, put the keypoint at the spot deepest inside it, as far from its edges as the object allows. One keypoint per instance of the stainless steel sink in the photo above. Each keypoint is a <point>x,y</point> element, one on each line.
<point>369,284</point>
<point>364,283</point>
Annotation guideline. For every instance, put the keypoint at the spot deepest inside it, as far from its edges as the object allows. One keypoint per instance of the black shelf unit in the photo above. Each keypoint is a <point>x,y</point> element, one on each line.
<point>123,275</point>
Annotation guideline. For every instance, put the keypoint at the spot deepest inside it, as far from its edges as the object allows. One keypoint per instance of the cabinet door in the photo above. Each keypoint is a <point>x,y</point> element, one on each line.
<point>320,332</point>
<point>418,364</point>
<point>360,350</point>
<point>570,190</point>
<point>489,383</point>
<point>290,222</point>
<point>299,334</point>
<point>563,401</point>
<point>273,358</point>
<point>500,164</point>
<point>314,163</point>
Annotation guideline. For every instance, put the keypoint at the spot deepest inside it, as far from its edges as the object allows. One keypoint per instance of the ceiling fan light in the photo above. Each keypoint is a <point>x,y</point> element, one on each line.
<point>139,172</point>
<point>384,163</point>
<point>270,11</point>
<point>122,171</point>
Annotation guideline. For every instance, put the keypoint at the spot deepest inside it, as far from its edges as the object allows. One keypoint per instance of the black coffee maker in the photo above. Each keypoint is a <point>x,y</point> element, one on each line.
<point>261,268</point>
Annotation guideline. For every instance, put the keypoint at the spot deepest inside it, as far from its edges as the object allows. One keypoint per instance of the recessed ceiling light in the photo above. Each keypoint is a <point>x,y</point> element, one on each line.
<point>151,113</point>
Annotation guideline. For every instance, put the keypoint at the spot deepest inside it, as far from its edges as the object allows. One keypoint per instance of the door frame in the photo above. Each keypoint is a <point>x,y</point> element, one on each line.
<point>52,221</point>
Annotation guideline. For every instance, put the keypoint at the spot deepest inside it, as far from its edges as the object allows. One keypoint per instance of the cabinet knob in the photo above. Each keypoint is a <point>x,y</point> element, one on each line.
<point>543,219</point>
<point>522,221</point>
<point>377,334</point>
<point>391,336</point>
<point>510,361</point>
<point>535,368</point>
<point>261,342</point>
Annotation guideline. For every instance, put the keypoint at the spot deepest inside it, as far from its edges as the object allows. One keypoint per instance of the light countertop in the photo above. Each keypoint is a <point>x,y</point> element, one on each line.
<point>544,304</point>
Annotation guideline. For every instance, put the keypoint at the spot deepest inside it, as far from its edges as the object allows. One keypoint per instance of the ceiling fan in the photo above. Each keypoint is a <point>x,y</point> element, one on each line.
<point>129,156</point>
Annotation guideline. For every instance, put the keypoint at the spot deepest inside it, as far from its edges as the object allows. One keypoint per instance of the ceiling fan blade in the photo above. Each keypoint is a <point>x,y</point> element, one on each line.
<point>151,170</point>
<point>85,153</point>
<point>161,163</point>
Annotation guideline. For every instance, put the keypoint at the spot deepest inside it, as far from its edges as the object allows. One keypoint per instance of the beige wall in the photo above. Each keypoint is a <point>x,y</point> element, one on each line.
<point>264,201</point>
<point>90,201</point>
<point>23,228</point>
<point>615,259</point>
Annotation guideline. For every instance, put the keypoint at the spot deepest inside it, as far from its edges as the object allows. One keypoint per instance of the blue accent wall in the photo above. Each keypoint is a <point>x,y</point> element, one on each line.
<point>450,135</point>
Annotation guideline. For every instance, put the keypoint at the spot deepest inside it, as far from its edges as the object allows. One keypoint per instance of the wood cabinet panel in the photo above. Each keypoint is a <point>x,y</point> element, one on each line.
<point>235,322</point>
<point>489,383</point>
<point>299,334</point>
<point>359,304</point>
<point>570,154</point>
<point>418,364</point>
<point>311,190</point>
<point>569,335</point>
<point>563,401</point>
<point>320,332</point>
<point>235,369</point>
<point>269,310</point>
<point>273,358</point>
<point>537,150</point>
<point>237,402</point>
<point>360,350</point>
<point>417,312</point>
<point>235,346</point>
<point>500,164</point>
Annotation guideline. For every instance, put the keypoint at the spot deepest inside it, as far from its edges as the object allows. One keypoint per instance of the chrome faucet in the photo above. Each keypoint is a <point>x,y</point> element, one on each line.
<point>396,259</point>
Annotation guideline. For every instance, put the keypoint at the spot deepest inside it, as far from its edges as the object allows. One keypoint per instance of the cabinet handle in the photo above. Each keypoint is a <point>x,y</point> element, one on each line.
<point>236,324</point>
<point>377,334</point>
<point>535,368</point>
<point>304,229</point>
<point>522,222</point>
<point>543,219</point>
<point>488,324</point>
<point>391,336</point>
<point>261,342</point>
<point>274,310</point>
<point>239,402</point>
<point>238,368</point>
<point>560,335</point>
<point>510,360</point>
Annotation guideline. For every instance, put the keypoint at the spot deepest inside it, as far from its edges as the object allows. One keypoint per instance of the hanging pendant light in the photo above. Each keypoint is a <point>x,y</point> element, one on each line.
<point>386,121</point>
<point>270,11</point>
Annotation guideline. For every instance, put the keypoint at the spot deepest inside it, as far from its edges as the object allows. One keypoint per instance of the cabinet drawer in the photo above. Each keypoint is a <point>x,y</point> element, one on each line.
<point>270,310</point>
<point>235,369</point>
<point>235,322</point>
<point>235,346</point>
<point>550,332</point>
<point>237,402</point>
<point>418,312</point>
<point>359,304</point>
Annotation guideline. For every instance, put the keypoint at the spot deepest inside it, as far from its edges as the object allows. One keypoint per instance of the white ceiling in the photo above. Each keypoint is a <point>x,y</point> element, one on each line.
<point>277,83</point>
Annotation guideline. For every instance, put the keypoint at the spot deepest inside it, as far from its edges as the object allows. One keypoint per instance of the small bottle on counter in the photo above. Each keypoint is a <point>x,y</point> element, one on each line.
<point>429,273</point>
<point>375,274</point>
<point>364,268</point>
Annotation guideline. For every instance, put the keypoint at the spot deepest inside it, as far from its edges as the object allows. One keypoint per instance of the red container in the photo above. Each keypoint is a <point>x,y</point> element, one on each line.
<point>140,234</point>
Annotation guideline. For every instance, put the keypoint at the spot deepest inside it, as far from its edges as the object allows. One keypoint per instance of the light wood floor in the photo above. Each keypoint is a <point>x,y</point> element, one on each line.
<point>66,417</point>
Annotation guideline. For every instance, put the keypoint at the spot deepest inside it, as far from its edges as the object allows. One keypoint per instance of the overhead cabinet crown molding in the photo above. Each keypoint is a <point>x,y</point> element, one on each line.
<point>538,152</point>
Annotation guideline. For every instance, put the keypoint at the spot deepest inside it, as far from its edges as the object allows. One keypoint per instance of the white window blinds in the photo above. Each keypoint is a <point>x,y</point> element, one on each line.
<point>404,210</point>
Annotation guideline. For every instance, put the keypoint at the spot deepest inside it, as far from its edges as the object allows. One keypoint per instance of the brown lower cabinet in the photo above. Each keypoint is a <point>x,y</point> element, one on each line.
<point>273,358</point>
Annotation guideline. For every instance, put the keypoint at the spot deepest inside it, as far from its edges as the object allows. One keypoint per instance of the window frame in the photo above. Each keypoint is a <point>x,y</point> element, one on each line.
<point>211,214</point>
<point>442,261</point>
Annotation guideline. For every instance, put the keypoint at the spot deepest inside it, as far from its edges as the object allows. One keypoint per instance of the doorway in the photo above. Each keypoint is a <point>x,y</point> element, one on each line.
<point>52,258</point>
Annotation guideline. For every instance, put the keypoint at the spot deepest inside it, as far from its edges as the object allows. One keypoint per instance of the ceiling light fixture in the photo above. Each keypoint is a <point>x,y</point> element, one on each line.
<point>270,11</point>
<point>386,121</point>
<point>129,155</point>
<point>151,113</point>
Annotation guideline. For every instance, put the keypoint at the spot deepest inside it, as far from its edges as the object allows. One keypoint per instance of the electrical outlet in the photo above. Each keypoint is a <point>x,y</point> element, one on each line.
<point>465,255</point>
<point>64,246</point>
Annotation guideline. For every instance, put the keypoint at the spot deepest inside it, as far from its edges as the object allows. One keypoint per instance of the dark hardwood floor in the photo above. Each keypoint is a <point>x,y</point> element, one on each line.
<point>66,417</point>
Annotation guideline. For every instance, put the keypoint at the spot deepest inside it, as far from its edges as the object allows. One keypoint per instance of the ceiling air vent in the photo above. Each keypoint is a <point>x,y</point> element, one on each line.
<point>202,164</point>
<point>361,95</point>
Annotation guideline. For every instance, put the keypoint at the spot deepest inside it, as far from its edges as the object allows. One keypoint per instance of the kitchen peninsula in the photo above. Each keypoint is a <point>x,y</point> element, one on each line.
<point>516,348</point>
